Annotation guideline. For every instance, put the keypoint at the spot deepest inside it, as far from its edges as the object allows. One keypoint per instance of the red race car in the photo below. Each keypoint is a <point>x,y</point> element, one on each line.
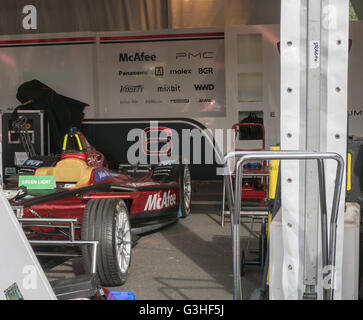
<point>92,203</point>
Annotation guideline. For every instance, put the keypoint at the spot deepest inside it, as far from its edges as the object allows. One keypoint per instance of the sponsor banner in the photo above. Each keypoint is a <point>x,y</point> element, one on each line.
<point>33,163</point>
<point>102,174</point>
<point>156,201</point>
<point>131,88</point>
<point>174,75</point>
<point>132,73</point>
<point>161,200</point>
<point>204,87</point>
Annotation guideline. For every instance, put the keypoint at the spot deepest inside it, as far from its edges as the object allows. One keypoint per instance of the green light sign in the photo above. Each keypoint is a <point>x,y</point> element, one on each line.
<point>37,182</point>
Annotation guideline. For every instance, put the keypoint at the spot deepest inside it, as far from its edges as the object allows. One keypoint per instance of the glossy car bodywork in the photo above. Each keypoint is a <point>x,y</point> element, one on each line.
<point>81,174</point>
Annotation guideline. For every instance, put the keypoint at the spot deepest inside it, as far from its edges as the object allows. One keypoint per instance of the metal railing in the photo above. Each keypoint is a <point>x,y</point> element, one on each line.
<point>59,223</point>
<point>234,202</point>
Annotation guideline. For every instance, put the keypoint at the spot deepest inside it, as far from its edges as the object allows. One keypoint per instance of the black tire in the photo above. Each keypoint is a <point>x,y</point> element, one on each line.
<point>185,190</point>
<point>101,219</point>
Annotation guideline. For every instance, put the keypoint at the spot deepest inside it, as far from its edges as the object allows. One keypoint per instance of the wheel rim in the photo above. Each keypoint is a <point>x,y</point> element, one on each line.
<point>122,239</point>
<point>187,188</point>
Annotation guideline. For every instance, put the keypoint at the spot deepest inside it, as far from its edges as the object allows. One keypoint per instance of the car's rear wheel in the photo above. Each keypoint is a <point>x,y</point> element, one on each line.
<point>107,221</point>
<point>185,190</point>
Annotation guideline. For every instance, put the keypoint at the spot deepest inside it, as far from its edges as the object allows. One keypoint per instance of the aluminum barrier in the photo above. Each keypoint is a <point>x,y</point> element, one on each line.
<point>234,203</point>
<point>56,223</point>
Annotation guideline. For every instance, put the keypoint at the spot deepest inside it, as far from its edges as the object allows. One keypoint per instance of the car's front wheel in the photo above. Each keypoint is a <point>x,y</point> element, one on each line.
<point>107,221</point>
<point>185,183</point>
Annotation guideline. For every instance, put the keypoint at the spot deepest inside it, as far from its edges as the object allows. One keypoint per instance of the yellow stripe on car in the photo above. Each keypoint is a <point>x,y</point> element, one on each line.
<point>65,142</point>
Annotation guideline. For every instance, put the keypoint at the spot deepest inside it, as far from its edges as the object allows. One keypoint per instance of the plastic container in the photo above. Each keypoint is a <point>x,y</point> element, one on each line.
<point>121,295</point>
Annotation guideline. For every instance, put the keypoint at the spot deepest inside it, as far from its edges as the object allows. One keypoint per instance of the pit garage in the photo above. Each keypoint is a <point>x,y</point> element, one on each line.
<point>181,150</point>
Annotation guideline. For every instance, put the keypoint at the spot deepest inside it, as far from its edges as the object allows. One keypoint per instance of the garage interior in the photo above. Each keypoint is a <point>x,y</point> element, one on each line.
<point>254,108</point>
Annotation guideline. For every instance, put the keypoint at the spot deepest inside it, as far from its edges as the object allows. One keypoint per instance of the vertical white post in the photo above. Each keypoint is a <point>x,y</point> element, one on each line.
<point>293,137</point>
<point>312,129</point>
<point>334,108</point>
<point>314,67</point>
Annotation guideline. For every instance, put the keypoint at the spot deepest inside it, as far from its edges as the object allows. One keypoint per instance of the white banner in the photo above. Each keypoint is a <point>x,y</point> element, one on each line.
<point>164,75</point>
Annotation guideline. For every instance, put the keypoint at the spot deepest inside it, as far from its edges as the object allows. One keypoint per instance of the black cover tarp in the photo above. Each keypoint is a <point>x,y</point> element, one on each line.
<point>251,132</point>
<point>62,112</point>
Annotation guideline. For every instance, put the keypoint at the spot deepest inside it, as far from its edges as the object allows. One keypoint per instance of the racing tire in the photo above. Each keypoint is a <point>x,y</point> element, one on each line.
<point>107,221</point>
<point>185,183</point>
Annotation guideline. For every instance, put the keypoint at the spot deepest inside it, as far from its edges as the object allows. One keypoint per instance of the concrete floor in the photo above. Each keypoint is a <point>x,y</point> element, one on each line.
<point>190,259</point>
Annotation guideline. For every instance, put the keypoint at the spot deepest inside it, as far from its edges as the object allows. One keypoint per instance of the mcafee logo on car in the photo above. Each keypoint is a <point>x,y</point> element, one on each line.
<point>158,201</point>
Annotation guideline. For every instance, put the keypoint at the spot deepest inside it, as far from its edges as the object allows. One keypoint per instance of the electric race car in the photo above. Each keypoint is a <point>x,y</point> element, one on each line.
<point>109,207</point>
